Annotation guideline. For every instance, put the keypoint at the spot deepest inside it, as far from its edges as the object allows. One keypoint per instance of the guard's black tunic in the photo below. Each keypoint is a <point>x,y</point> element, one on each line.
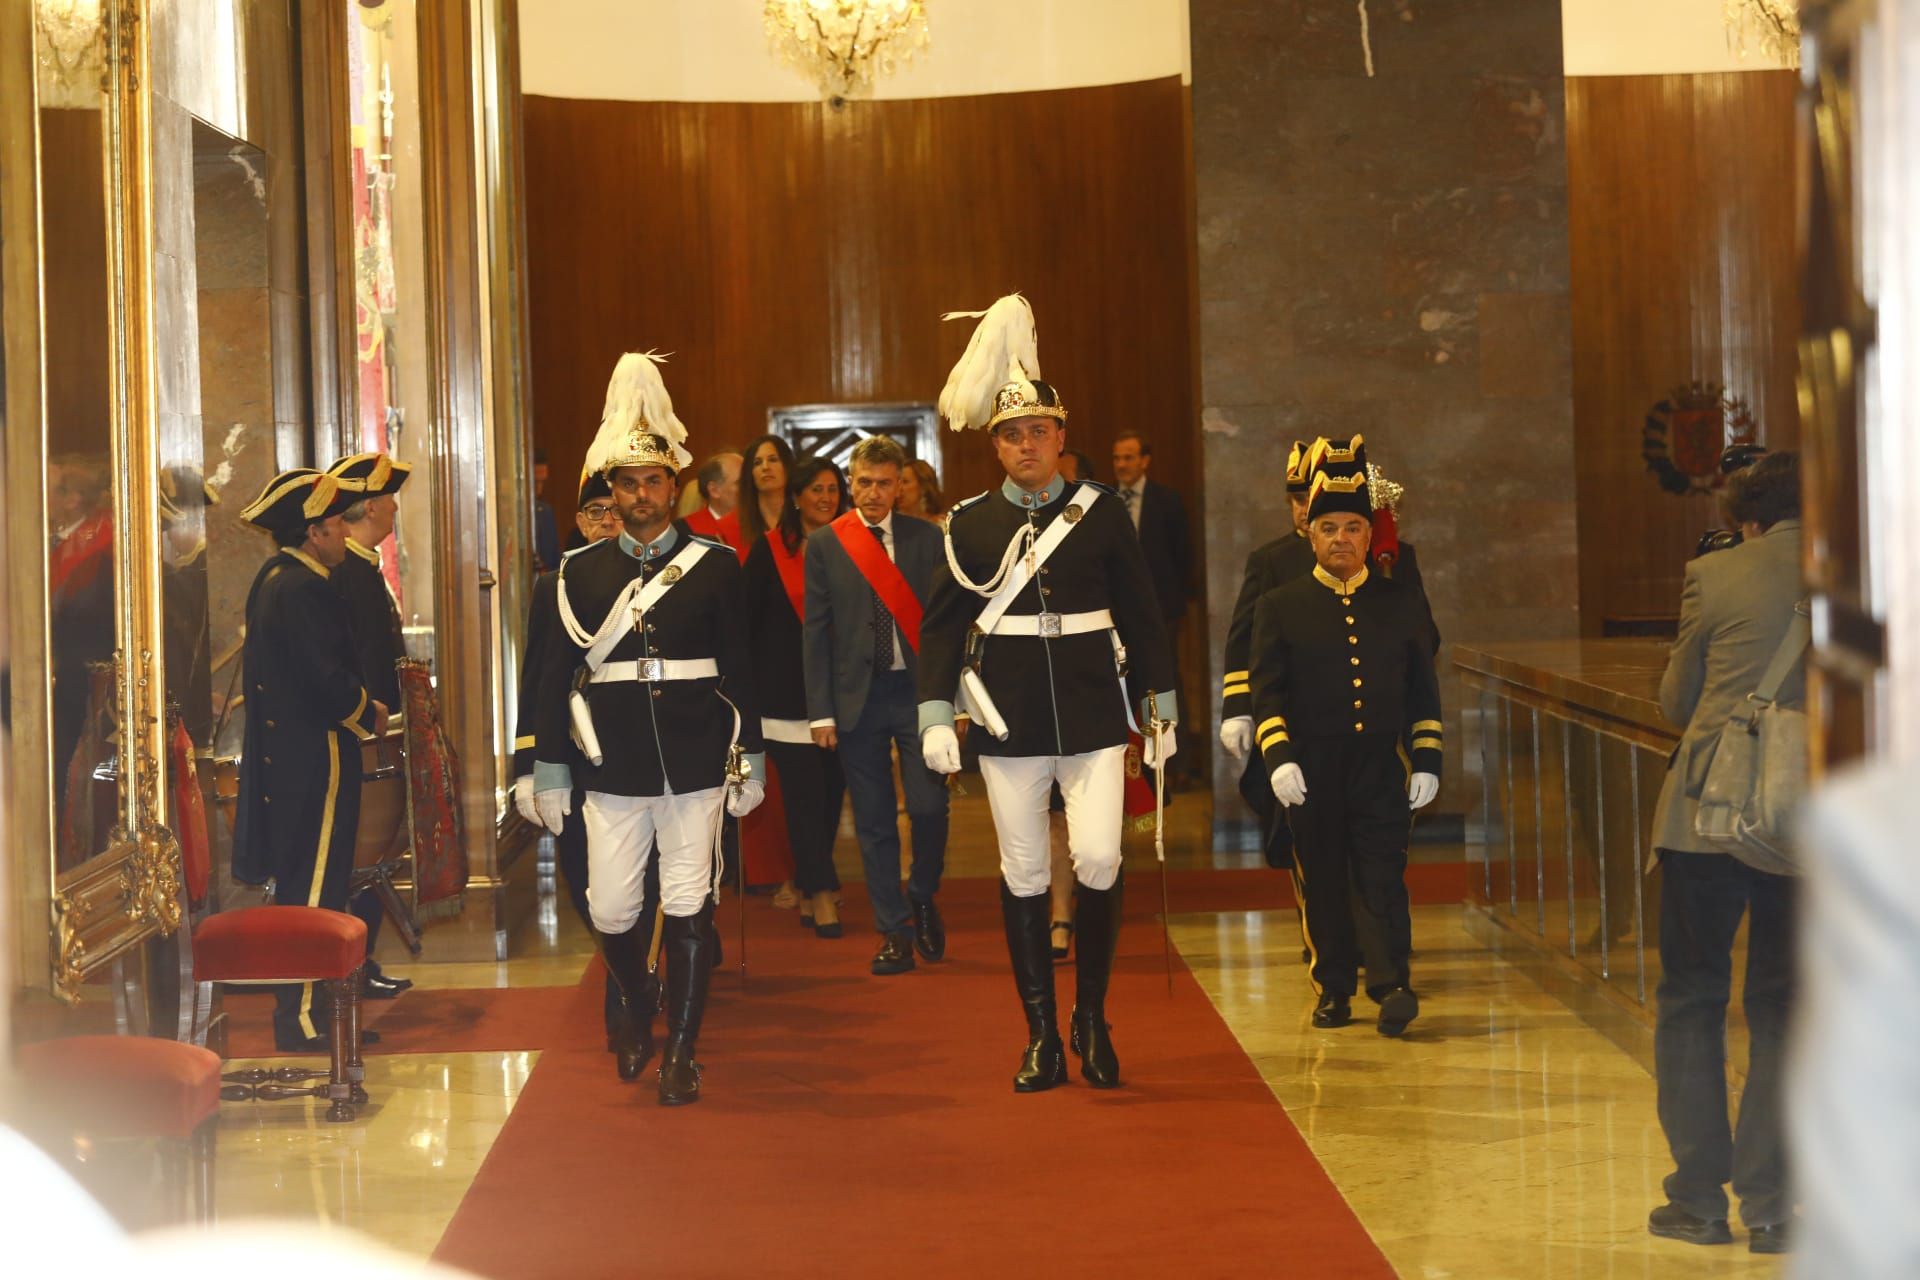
<point>652,736</point>
<point>307,713</point>
<point>375,622</point>
<point>1344,686</point>
<point>1060,696</point>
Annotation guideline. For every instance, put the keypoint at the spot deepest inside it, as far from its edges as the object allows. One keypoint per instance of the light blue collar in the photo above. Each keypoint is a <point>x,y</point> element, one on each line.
<point>1032,501</point>
<point>654,550</point>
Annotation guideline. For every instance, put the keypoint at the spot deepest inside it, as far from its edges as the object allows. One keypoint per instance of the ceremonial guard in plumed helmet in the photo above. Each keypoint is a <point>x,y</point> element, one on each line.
<point>1346,706</point>
<point>307,712</point>
<point>649,678</point>
<point>1043,625</point>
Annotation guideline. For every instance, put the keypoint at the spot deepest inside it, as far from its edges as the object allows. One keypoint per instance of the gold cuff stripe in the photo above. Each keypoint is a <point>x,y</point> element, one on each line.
<point>1233,690</point>
<point>1426,744</point>
<point>1272,722</point>
<point>1279,735</point>
<point>1232,676</point>
<point>522,744</point>
<point>1421,726</point>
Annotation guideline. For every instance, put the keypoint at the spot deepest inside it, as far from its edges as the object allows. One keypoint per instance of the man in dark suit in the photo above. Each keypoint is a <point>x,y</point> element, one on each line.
<point>1160,518</point>
<point>867,575</point>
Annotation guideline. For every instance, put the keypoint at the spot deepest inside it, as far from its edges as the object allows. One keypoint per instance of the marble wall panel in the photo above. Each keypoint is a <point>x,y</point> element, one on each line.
<point>1388,254</point>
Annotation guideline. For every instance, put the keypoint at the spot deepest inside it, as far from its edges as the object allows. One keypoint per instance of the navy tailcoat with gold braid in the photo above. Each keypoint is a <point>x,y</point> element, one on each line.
<point>1059,696</point>
<point>307,712</point>
<point>375,621</point>
<point>652,735</point>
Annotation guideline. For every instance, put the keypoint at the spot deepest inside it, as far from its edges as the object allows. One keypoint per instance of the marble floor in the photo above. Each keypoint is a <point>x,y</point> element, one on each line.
<point>1506,1137</point>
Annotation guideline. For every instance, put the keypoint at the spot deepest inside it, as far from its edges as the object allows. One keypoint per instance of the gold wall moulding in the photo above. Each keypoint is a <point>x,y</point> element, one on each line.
<point>844,46</point>
<point>103,909</point>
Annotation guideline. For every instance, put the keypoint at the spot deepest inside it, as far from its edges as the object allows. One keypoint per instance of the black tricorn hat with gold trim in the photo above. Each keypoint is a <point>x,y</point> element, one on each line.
<point>377,473</point>
<point>295,499</point>
<point>1338,482</point>
<point>1299,468</point>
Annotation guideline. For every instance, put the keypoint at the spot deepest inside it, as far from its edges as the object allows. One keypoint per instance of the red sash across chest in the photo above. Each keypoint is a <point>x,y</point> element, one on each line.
<point>882,574</point>
<point>792,567</point>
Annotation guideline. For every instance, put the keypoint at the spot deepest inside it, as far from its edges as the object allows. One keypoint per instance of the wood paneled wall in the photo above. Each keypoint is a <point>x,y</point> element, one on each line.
<point>790,253</point>
<point>1681,224</point>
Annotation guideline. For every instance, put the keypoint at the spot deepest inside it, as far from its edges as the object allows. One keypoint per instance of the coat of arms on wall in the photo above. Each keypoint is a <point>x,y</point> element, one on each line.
<point>1684,434</point>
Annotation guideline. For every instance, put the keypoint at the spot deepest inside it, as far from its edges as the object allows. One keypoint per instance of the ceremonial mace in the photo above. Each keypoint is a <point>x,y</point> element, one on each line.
<point>1154,725</point>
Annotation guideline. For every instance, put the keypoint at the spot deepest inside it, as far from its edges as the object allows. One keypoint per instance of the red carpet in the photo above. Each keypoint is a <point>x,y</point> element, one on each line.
<point>862,1126</point>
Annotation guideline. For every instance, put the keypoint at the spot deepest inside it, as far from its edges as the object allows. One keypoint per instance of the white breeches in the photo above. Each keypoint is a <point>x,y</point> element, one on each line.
<point>623,832</point>
<point>1018,789</point>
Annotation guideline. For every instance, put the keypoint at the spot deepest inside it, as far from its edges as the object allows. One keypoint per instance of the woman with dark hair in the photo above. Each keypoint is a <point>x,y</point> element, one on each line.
<point>766,478</point>
<point>809,776</point>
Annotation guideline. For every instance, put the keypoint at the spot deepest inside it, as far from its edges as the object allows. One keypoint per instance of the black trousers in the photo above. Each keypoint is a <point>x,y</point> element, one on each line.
<point>299,1010</point>
<point>1702,897</point>
<point>1350,855</point>
<point>812,788</point>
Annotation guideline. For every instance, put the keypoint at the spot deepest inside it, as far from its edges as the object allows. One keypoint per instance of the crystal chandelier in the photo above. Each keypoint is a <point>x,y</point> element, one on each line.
<point>845,45</point>
<point>1772,26</point>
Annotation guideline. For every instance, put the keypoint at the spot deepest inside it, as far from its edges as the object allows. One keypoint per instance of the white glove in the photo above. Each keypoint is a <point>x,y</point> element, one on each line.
<point>1236,735</point>
<point>1421,789</point>
<point>1159,748</point>
<point>1289,785</point>
<point>523,798</point>
<point>940,748</point>
<point>744,797</point>
<point>552,807</point>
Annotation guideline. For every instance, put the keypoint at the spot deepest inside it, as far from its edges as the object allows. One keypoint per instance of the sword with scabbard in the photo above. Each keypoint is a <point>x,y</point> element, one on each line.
<point>739,769</point>
<point>1154,725</point>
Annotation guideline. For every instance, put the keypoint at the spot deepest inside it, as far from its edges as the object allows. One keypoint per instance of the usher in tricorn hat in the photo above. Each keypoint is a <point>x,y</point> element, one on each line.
<point>378,474</point>
<point>1339,478</point>
<point>294,499</point>
<point>1299,472</point>
<point>998,377</point>
<point>638,427</point>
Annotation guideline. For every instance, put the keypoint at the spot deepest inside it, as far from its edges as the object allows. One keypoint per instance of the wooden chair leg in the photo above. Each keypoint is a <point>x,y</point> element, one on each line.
<point>338,1087</point>
<point>356,1072</point>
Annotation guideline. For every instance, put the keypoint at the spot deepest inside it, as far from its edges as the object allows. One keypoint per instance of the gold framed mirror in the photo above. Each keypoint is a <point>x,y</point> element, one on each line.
<point>95,863</point>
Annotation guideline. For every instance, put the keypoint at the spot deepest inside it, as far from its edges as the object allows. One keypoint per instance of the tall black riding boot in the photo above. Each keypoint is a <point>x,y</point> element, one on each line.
<point>1098,930</point>
<point>630,1022</point>
<point>1030,947</point>
<point>688,951</point>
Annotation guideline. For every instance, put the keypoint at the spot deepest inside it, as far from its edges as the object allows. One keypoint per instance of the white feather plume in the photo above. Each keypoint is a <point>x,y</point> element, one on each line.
<point>1005,347</point>
<point>637,393</point>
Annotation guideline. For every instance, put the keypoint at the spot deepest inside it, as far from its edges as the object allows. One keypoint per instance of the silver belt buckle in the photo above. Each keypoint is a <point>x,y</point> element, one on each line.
<point>1049,624</point>
<point>650,670</point>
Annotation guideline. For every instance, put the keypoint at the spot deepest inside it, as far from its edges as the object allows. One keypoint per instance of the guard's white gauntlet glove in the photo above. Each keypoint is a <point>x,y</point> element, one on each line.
<point>1421,789</point>
<point>1236,736</point>
<point>523,798</point>
<point>1159,746</point>
<point>1289,785</point>
<point>552,807</point>
<point>940,748</point>
<point>744,797</point>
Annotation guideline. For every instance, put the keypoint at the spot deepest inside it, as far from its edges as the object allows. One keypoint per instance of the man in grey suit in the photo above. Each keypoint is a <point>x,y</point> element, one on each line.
<point>1736,607</point>
<point>867,576</point>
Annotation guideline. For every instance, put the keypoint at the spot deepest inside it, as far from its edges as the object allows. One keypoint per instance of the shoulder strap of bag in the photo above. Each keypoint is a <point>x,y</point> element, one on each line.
<point>1793,646</point>
<point>1044,546</point>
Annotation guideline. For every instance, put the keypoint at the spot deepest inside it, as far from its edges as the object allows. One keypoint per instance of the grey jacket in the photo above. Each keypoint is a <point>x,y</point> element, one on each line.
<point>838,633</point>
<point>1736,606</point>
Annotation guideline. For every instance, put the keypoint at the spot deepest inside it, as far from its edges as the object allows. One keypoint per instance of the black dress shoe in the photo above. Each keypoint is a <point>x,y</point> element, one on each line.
<point>894,956</point>
<point>929,930</point>
<point>679,1075</point>
<point>1334,1010</point>
<point>1775,1237</point>
<point>378,986</point>
<point>1675,1223</point>
<point>1397,1008</point>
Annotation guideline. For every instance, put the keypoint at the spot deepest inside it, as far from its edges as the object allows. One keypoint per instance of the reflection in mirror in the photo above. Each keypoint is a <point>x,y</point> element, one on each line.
<point>79,529</point>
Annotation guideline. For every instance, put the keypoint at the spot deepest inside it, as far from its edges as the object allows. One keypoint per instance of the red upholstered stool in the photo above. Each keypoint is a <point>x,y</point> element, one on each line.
<point>96,1088</point>
<point>274,945</point>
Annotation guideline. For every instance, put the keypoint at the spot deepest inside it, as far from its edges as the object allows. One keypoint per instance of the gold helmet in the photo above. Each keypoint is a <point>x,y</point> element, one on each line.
<point>998,378</point>
<point>638,427</point>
